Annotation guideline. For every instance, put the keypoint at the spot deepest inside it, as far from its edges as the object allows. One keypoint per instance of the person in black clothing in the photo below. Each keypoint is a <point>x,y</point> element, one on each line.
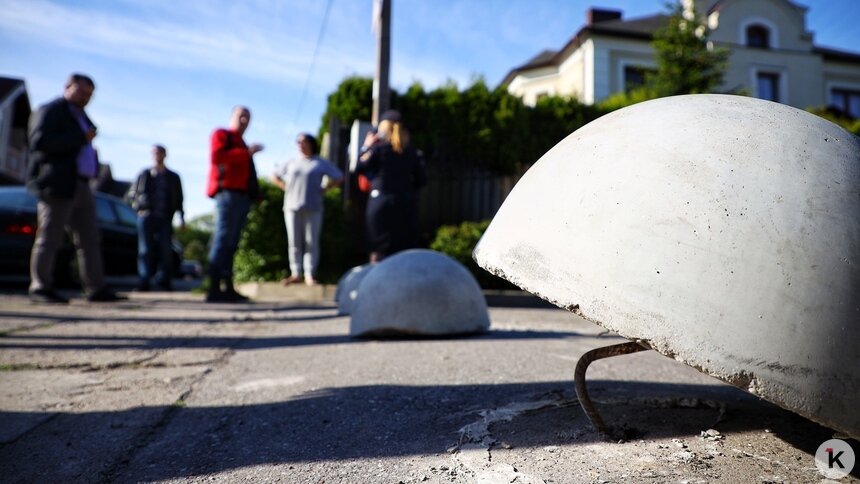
<point>396,171</point>
<point>157,196</point>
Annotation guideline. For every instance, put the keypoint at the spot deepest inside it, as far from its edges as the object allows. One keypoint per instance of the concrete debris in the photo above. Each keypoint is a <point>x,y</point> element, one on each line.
<point>479,430</point>
<point>683,456</point>
<point>712,435</point>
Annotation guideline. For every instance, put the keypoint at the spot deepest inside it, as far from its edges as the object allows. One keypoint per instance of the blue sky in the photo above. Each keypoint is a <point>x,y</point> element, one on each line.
<point>169,71</point>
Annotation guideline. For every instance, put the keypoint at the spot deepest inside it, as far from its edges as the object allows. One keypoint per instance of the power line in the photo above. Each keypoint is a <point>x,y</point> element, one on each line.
<point>313,60</point>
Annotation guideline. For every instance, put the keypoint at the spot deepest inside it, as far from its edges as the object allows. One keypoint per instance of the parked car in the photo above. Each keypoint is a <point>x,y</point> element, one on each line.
<point>117,223</point>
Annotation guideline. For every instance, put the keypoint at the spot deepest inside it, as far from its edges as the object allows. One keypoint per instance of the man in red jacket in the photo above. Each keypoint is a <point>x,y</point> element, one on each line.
<point>233,184</point>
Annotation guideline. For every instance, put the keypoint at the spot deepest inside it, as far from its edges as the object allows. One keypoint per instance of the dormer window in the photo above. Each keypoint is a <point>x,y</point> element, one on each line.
<point>758,36</point>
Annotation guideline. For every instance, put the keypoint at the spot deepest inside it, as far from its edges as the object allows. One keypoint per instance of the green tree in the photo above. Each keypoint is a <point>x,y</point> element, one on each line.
<point>685,63</point>
<point>352,100</point>
<point>474,126</point>
<point>555,117</point>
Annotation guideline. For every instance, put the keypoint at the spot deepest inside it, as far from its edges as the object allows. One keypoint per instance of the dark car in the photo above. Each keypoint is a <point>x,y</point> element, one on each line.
<point>116,220</point>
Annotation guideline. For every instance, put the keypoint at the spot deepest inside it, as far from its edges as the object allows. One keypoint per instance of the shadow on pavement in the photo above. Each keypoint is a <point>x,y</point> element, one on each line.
<point>514,299</point>
<point>334,424</point>
<point>283,314</point>
<point>66,342</point>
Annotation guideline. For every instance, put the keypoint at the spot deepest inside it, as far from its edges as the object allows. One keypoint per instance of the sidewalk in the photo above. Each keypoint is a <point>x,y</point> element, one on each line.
<point>166,388</point>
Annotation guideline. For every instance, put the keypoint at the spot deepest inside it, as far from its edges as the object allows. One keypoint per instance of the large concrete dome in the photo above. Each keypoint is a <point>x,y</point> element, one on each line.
<point>420,292</point>
<point>347,287</point>
<point>724,231</point>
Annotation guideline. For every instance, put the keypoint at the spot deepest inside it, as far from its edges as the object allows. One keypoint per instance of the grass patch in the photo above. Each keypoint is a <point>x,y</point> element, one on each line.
<point>18,367</point>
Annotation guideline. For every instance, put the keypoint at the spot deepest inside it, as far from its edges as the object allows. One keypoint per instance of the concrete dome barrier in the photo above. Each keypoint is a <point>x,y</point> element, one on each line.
<point>724,231</point>
<point>347,287</point>
<point>418,292</point>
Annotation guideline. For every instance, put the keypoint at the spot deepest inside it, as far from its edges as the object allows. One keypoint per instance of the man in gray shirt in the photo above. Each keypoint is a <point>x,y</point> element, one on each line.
<point>303,180</point>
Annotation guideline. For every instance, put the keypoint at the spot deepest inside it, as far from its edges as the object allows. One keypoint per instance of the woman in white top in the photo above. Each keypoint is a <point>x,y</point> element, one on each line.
<point>303,181</point>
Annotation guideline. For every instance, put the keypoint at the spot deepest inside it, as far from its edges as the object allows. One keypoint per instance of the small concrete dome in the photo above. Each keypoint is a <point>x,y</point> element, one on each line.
<point>419,292</point>
<point>347,287</point>
<point>723,230</point>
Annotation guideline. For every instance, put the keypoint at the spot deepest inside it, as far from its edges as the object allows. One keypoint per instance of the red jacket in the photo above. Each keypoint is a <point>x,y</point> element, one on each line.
<point>231,166</point>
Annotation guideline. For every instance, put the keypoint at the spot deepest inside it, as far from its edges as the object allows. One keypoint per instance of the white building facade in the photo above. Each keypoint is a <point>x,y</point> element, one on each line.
<point>772,57</point>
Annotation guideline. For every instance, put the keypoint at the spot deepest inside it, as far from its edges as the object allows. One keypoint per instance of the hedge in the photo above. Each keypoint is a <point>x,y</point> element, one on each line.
<point>458,241</point>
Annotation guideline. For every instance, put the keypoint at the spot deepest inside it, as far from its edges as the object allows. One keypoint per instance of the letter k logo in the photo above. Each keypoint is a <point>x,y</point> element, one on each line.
<point>834,459</point>
<point>831,459</point>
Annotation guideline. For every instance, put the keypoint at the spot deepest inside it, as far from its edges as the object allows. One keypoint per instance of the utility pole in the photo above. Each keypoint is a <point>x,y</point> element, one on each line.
<point>381,92</point>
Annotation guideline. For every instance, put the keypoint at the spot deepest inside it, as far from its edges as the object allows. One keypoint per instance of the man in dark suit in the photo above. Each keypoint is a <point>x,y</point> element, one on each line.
<point>157,196</point>
<point>62,162</point>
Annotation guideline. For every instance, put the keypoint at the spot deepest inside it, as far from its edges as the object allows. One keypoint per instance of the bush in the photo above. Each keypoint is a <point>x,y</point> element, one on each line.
<point>458,242</point>
<point>624,99</point>
<point>847,123</point>
<point>475,126</point>
<point>262,254</point>
<point>195,239</point>
<point>334,250</point>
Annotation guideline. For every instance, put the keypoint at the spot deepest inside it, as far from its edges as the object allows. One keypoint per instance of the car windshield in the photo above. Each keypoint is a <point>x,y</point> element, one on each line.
<point>104,213</point>
<point>126,215</point>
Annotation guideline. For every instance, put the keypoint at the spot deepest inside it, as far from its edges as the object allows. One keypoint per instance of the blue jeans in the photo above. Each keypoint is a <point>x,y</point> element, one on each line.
<point>154,235</point>
<point>231,213</point>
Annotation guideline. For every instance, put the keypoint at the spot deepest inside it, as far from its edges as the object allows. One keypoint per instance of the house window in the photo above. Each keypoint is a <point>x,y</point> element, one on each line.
<point>846,101</point>
<point>634,77</point>
<point>758,36</point>
<point>767,86</point>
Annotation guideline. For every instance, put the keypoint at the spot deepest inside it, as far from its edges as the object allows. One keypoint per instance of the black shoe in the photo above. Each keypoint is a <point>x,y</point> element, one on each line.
<point>48,296</point>
<point>105,295</point>
<point>235,296</point>
<point>165,286</point>
<point>142,287</point>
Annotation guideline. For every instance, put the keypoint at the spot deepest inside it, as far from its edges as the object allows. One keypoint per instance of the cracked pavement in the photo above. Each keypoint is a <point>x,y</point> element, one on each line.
<point>166,388</point>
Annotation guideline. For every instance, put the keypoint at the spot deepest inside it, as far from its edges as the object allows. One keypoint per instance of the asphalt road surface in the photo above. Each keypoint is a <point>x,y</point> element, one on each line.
<point>166,388</point>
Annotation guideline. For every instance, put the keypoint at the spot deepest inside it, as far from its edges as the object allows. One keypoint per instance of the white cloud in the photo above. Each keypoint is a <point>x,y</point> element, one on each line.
<point>232,42</point>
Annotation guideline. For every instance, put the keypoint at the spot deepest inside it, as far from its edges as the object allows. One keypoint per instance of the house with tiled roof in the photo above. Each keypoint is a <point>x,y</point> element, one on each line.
<point>772,56</point>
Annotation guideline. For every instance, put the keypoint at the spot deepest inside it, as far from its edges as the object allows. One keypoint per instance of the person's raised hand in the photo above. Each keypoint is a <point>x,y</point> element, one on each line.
<point>370,139</point>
